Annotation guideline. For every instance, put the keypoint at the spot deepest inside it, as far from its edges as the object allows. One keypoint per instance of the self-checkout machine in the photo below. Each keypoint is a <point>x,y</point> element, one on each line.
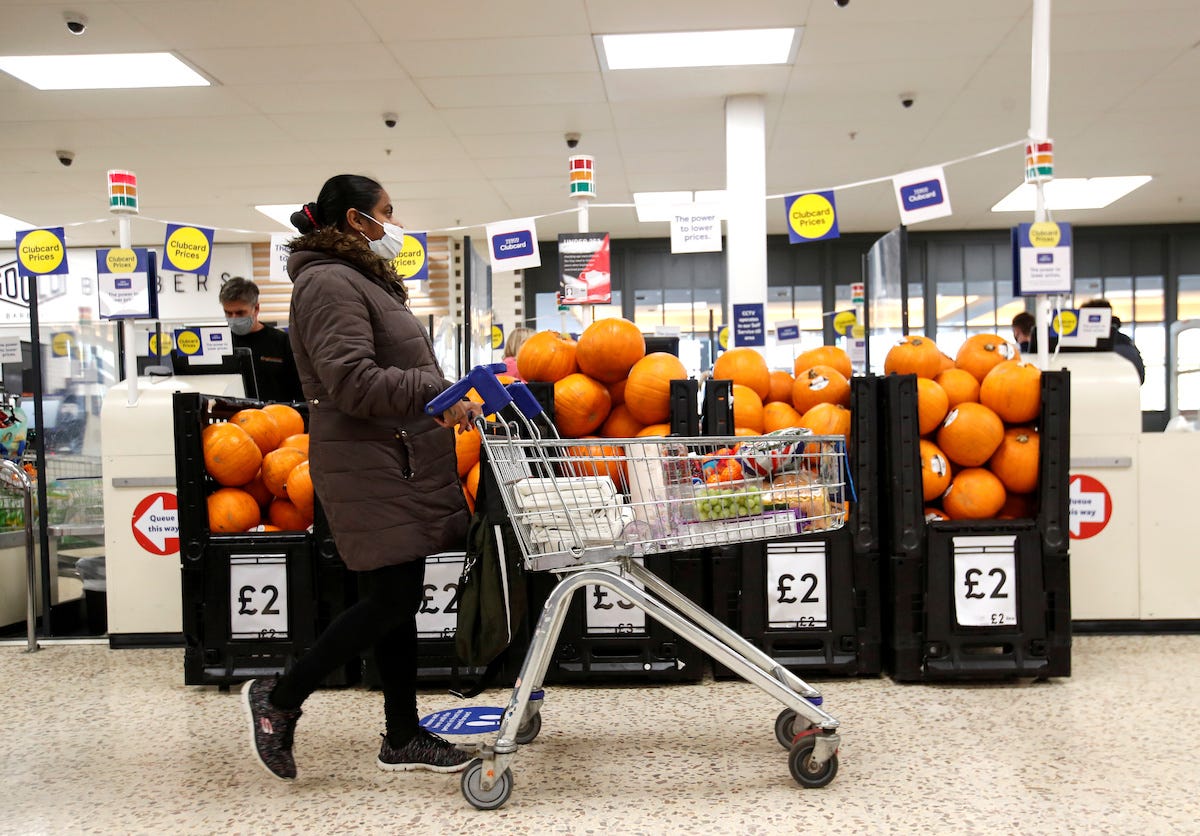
<point>141,525</point>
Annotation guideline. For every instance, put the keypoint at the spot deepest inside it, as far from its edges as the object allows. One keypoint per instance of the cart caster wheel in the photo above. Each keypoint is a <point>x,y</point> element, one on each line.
<point>529,729</point>
<point>804,770</point>
<point>480,799</point>
<point>787,726</point>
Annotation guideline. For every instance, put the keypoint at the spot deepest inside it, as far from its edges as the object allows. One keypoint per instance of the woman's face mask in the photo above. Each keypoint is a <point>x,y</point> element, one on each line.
<point>390,245</point>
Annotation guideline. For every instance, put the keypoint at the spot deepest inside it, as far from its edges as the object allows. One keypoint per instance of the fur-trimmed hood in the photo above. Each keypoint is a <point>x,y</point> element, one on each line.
<point>332,243</point>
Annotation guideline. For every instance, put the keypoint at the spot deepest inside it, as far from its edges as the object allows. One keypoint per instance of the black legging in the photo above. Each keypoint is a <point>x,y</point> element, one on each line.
<point>385,618</point>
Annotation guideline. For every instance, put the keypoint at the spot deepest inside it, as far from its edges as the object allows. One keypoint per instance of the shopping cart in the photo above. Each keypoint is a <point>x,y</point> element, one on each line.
<point>589,509</point>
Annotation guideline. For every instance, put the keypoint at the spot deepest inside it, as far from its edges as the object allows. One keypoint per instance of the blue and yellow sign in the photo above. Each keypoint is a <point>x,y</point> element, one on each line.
<point>155,348</point>
<point>844,321</point>
<point>42,252</point>
<point>187,249</point>
<point>811,217</point>
<point>723,337</point>
<point>497,337</point>
<point>187,341</point>
<point>413,261</point>
<point>61,343</point>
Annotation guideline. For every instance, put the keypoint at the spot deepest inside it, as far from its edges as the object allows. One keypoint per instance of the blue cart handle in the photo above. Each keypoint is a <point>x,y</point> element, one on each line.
<point>495,394</point>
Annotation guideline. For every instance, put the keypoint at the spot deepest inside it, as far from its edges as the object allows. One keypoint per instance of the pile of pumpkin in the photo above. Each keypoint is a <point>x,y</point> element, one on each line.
<point>259,460</point>
<point>979,448</point>
<point>606,386</point>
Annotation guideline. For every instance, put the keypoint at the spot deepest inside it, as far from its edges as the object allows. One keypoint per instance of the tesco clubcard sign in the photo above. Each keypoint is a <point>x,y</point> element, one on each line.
<point>921,195</point>
<point>513,245</point>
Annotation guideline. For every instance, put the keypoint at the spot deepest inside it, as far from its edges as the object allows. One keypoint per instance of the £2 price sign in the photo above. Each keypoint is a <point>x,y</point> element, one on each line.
<point>438,616</point>
<point>797,581</point>
<point>258,596</point>
<point>607,613</point>
<point>985,581</point>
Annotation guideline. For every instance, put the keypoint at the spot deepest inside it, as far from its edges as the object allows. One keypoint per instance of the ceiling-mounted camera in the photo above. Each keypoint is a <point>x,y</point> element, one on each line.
<point>841,4</point>
<point>390,119</point>
<point>65,157</point>
<point>572,139</point>
<point>76,23</point>
<point>907,100</point>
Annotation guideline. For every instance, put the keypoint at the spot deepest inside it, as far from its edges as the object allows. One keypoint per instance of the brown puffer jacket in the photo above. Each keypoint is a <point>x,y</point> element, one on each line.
<point>384,471</point>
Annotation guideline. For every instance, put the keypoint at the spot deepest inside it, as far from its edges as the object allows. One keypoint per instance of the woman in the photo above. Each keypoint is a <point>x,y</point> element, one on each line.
<point>515,340</point>
<point>384,471</point>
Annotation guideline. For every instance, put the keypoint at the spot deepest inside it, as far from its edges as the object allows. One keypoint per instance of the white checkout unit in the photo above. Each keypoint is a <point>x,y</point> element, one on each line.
<point>141,524</point>
<point>1134,513</point>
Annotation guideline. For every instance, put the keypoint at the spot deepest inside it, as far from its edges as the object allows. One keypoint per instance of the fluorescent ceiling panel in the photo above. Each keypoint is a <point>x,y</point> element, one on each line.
<point>10,225</point>
<point>724,48</point>
<point>281,213</point>
<point>102,72</point>
<point>1072,193</point>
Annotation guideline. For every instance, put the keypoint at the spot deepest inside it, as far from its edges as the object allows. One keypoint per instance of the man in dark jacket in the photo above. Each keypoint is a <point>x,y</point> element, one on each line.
<point>1122,344</point>
<point>274,367</point>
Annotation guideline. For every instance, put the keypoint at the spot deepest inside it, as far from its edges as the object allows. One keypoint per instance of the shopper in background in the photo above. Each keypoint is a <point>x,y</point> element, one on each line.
<point>1023,325</point>
<point>274,366</point>
<point>385,472</point>
<point>515,340</point>
<point>1122,344</point>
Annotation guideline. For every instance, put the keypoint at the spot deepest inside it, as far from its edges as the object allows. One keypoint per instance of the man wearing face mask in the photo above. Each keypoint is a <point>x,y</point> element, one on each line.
<point>274,367</point>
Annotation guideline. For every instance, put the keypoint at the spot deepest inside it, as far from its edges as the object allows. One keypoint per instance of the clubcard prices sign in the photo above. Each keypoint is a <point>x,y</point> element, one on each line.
<point>811,217</point>
<point>921,195</point>
<point>187,249</point>
<point>1041,258</point>
<point>513,245</point>
<point>413,262</point>
<point>42,252</point>
<point>125,283</point>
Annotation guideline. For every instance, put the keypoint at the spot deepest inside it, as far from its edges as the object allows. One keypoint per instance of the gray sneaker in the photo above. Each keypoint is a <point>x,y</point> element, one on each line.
<point>271,729</point>
<point>425,751</point>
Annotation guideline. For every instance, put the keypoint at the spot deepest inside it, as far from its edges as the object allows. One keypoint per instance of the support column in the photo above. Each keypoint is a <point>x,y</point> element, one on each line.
<point>745,204</point>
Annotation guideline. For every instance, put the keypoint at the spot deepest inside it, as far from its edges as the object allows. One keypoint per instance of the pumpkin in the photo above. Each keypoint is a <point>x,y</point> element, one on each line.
<point>932,405</point>
<point>471,482</point>
<point>230,455</point>
<point>648,390</point>
<point>778,415</point>
<point>781,388</point>
<point>299,441</point>
<point>982,353</point>
<point>287,516</point>
<point>974,494</point>
<point>469,499</point>
<point>1015,461</point>
<point>826,355</point>
<point>261,493</point>
<point>746,367</point>
<point>546,356</point>
<point>960,386</point>
<point>1018,506</point>
<point>914,355</point>
<point>260,426</point>
<point>947,361</point>
<point>1013,390</point>
<point>231,510</point>
<point>608,348</point>
<point>746,431</point>
<point>934,515</point>
<point>299,489</point>
<point>466,449</point>
<point>826,419</point>
<point>654,430</point>
<point>819,384</point>
<point>617,391</point>
<point>277,466</point>
<point>289,421</point>
<point>970,434</point>
<point>935,471</point>
<point>747,408</point>
<point>581,404</point>
<point>620,423</point>
<point>598,460</point>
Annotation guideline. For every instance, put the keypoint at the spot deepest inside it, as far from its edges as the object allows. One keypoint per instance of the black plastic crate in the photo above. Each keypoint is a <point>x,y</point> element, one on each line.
<point>924,583</point>
<point>605,639</point>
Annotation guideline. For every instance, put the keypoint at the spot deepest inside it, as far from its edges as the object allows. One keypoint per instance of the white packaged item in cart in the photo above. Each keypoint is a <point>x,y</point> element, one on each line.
<point>564,513</point>
<point>660,480</point>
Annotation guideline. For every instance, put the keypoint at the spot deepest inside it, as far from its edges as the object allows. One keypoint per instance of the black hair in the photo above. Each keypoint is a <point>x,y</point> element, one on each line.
<point>238,289</point>
<point>339,194</point>
<point>1024,322</point>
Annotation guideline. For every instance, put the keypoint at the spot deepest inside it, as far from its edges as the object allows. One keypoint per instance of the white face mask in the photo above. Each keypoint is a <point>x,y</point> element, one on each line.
<point>392,242</point>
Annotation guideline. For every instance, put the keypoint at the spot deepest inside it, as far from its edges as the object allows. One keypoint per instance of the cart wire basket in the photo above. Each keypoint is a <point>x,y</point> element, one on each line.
<point>587,509</point>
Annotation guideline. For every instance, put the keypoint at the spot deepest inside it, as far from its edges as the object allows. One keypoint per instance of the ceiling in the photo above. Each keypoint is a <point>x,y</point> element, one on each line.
<point>485,91</point>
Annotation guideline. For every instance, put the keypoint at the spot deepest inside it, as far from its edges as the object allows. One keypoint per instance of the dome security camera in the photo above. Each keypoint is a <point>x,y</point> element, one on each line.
<point>390,119</point>
<point>907,100</point>
<point>65,157</point>
<point>76,23</point>
<point>572,139</point>
<point>841,4</point>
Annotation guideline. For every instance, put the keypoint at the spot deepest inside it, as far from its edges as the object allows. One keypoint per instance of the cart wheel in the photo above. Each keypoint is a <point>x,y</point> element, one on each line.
<point>804,770</point>
<point>530,728</point>
<point>477,796</point>
<point>787,727</point>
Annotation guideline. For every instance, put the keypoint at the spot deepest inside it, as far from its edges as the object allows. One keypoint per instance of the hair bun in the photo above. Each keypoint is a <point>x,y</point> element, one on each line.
<point>308,219</point>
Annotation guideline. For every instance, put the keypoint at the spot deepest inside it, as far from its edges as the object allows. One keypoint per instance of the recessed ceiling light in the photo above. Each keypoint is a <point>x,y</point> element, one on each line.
<point>1072,193</point>
<point>281,213</point>
<point>102,72</point>
<point>10,225</point>
<point>723,48</point>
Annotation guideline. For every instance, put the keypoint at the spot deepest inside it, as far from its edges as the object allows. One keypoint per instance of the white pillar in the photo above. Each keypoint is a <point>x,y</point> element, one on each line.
<point>745,204</point>
<point>1039,131</point>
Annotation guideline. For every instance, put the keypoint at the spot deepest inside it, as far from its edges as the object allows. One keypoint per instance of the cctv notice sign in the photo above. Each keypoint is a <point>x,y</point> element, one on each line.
<point>584,267</point>
<point>125,283</point>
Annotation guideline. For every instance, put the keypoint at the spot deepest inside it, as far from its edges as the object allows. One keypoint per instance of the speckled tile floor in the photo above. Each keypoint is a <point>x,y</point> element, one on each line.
<point>102,741</point>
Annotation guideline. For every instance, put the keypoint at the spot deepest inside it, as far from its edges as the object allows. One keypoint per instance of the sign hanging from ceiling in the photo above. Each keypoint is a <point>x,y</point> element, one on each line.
<point>42,252</point>
<point>584,268</point>
<point>513,245</point>
<point>921,195</point>
<point>187,249</point>
<point>811,217</point>
<point>413,262</point>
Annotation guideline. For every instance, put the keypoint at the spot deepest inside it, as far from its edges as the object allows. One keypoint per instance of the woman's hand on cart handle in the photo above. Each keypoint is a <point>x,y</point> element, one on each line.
<point>462,414</point>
